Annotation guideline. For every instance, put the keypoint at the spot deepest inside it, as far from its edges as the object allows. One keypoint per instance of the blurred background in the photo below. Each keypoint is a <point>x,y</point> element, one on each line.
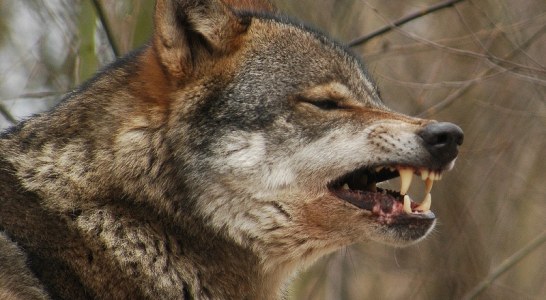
<point>479,64</point>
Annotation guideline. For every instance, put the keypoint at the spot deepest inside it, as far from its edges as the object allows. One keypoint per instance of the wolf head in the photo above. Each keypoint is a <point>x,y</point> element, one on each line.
<point>282,136</point>
<point>232,131</point>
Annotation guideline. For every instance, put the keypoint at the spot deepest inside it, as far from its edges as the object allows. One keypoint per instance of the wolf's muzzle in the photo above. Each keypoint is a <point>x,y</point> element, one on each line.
<point>442,140</point>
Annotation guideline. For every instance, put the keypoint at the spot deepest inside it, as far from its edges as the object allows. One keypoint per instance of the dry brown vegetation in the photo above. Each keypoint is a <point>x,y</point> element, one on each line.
<point>480,64</point>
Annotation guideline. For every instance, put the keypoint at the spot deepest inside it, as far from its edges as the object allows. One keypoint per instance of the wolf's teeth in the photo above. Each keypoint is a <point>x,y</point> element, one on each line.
<point>424,174</point>
<point>406,176</point>
<point>378,169</point>
<point>407,204</point>
<point>428,185</point>
<point>435,175</point>
<point>425,204</point>
<point>345,187</point>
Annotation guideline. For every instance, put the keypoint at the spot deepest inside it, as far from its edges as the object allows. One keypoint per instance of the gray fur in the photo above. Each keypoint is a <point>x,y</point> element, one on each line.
<point>209,184</point>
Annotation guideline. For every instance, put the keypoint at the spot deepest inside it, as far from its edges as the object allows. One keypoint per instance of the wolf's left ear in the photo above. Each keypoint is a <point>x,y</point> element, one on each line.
<point>185,30</point>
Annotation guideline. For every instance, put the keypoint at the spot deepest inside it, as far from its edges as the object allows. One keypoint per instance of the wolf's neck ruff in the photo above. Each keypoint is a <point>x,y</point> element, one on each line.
<point>233,150</point>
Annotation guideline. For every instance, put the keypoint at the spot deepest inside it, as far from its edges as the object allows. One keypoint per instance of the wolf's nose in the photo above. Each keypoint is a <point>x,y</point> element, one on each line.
<point>442,140</point>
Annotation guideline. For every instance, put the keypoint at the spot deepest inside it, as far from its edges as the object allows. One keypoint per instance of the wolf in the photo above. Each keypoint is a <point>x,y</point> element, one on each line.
<point>234,149</point>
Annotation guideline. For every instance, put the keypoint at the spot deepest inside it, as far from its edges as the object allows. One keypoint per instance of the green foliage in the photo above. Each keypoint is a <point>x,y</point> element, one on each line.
<point>87,59</point>
<point>143,25</point>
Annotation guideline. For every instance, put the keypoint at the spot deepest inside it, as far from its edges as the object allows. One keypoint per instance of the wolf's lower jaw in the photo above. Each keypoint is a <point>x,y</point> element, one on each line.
<point>389,207</point>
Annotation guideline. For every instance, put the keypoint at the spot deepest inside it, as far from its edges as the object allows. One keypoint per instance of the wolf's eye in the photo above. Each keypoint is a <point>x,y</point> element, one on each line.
<point>325,104</point>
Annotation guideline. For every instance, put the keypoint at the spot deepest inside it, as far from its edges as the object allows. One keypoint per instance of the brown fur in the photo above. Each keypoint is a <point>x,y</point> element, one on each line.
<point>200,166</point>
<point>251,5</point>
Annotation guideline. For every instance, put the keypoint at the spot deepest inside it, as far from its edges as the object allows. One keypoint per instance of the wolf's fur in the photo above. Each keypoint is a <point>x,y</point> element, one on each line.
<point>197,166</point>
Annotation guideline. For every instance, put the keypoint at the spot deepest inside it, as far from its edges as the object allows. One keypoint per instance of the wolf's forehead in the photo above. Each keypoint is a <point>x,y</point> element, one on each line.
<point>325,56</point>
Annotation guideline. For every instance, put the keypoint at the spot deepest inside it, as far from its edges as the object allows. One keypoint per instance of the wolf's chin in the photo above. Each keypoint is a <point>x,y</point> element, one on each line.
<point>404,236</point>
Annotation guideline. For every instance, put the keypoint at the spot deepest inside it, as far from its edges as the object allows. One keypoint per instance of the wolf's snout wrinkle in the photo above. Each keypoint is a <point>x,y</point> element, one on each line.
<point>442,140</point>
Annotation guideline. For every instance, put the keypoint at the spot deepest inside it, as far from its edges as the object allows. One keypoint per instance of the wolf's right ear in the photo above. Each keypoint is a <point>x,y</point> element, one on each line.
<point>186,30</point>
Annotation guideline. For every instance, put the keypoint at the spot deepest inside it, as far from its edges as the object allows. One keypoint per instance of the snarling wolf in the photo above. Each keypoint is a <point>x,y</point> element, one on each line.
<point>233,149</point>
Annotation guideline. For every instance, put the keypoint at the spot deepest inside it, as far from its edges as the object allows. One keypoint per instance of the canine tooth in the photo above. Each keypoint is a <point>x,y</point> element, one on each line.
<point>345,187</point>
<point>428,183</point>
<point>439,176</point>
<point>425,204</point>
<point>378,169</point>
<point>406,176</point>
<point>407,204</point>
<point>392,169</point>
<point>424,174</point>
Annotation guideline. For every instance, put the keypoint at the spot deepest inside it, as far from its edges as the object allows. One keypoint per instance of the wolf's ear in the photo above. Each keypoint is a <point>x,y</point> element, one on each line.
<point>185,30</point>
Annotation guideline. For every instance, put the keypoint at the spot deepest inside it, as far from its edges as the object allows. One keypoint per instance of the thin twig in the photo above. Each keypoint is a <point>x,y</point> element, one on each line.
<point>506,265</point>
<point>504,34</point>
<point>491,59</point>
<point>102,17</point>
<point>412,16</point>
<point>38,95</point>
<point>494,60</point>
<point>7,114</point>
<point>458,93</point>
<point>442,84</point>
<point>449,42</point>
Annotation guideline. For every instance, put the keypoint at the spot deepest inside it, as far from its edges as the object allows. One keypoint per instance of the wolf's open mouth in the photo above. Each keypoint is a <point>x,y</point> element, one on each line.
<point>359,188</point>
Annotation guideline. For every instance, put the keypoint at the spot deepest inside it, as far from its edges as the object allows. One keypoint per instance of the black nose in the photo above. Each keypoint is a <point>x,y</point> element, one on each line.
<point>442,140</point>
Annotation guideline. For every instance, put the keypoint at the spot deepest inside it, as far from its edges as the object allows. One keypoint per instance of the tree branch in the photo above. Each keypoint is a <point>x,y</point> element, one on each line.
<point>506,265</point>
<point>7,114</point>
<point>412,16</point>
<point>102,17</point>
<point>459,92</point>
